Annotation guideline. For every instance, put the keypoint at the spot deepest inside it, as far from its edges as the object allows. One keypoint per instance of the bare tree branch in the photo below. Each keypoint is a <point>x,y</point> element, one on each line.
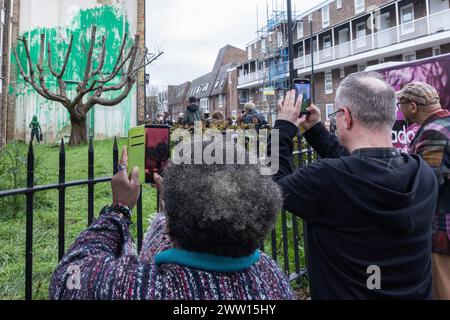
<point>118,67</point>
<point>101,62</point>
<point>51,96</point>
<point>49,58</point>
<point>66,60</point>
<point>29,79</point>
<point>146,63</point>
<point>87,72</point>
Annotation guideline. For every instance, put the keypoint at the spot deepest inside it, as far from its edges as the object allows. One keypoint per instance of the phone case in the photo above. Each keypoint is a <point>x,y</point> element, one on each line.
<point>136,151</point>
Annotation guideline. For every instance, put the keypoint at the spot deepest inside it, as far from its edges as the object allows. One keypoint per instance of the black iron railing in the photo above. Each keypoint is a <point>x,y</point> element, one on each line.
<point>91,181</point>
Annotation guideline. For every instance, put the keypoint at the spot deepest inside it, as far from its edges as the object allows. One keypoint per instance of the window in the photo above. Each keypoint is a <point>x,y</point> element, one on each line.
<point>216,84</point>
<point>280,39</point>
<point>326,46</point>
<point>359,6</point>
<point>342,72</point>
<point>338,4</point>
<point>328,82</point>
<point>220,101</point>
<point>362,67</point>
<point>309,17</point>
<point>222,82</point>
<point>299,29</point>
<point>407,18</point>
<point>204,104</point>
<point>249,49</point>
<point>410,56</point>
<point>325,16</point>
<point>263,46</point>
<point>361,34</point>
<point>436,51</point>
<point>329,108</point>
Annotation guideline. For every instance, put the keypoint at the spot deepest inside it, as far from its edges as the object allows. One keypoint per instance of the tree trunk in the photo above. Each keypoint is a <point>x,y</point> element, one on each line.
<point>78,134</point>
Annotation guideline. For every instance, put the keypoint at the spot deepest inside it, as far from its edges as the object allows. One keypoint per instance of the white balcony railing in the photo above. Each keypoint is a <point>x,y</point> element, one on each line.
<point>251,77</point>
<point>434,23</point>
<point>431,24</point>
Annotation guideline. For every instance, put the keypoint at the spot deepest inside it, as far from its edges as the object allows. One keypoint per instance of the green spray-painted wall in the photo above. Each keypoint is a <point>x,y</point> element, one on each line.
<point>108,121</point>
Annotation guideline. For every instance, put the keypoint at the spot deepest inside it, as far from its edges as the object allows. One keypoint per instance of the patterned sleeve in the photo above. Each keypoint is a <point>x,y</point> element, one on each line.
<point>156,239</point>
<point>102,264</point>
<point>432,148</point>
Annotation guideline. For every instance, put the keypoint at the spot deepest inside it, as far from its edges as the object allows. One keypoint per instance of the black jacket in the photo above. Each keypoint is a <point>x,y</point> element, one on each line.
<point>251,115</point>
<point>358,214</point>
<point>193,114</point>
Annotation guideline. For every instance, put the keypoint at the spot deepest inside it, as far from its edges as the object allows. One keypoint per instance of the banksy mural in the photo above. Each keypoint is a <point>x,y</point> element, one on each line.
<point>114,21</point>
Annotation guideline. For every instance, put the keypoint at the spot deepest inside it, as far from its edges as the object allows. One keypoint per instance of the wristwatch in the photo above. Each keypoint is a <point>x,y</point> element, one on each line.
<point>120,208</point>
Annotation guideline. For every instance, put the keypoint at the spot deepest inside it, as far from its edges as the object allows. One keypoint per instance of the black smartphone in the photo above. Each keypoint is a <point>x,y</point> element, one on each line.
<point>303,86</point>
<point>157,153</point>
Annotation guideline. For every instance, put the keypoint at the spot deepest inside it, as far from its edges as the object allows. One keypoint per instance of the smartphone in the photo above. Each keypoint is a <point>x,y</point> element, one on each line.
<point>148,149</point>
<point>303,86</point>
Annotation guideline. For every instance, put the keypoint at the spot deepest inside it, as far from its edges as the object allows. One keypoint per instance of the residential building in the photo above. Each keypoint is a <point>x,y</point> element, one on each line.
<point>177,97</point>
<point>348,36</point>
<point>214,91</point>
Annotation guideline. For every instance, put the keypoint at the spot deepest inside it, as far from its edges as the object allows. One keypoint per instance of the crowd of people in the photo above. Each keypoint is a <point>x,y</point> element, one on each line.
<point>248,116</point>
<point>366,207</point>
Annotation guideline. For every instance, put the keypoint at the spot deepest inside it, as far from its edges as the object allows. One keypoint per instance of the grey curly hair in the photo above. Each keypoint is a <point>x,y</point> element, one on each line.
<point>225,210</point>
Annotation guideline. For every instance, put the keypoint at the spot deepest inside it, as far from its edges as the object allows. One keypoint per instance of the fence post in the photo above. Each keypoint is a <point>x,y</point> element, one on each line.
<point>139,221</point>
<point>274,244</point>
<point>294,217</point>
<point>90,182</point>
<point>29,225</point>
<point>115,157</point>
<point>285,241</point>
<point>62,201</point>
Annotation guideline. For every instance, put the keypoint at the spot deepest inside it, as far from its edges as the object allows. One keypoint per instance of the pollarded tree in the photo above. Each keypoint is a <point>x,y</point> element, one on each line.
<point>93,84</point>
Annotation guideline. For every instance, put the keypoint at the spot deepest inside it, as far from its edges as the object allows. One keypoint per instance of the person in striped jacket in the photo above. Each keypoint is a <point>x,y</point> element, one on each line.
<point>204,246</point>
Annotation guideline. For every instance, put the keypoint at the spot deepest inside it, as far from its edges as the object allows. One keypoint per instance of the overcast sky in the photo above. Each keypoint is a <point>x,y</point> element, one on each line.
<point>191,32</point>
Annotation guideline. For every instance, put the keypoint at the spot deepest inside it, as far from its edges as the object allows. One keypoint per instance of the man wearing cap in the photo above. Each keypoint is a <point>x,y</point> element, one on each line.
<point>420,104</point>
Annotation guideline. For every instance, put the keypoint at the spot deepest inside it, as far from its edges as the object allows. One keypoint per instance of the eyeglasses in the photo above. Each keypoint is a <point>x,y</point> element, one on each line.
<point>332,116</point>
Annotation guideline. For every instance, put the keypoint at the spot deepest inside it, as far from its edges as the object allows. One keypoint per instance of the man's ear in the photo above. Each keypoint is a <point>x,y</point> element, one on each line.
<point>413,107</point>
<point>348,119</point>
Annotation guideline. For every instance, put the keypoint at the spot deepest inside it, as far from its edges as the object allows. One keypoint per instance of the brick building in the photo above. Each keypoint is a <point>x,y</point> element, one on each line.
<point>6,25</point>
<point>214,91</point>
<point>348,36</point>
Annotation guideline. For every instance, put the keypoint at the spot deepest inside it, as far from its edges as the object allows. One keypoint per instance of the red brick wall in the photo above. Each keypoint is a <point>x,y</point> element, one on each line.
<point>12,77</point>
<point>4,73</point>
<point>141,74</point>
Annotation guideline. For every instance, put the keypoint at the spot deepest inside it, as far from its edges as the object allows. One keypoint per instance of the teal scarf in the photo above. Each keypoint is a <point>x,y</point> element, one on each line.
<point>206,262</point>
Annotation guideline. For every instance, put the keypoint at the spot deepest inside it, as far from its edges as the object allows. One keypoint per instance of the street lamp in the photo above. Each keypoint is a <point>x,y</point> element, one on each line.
<point>291,52</point>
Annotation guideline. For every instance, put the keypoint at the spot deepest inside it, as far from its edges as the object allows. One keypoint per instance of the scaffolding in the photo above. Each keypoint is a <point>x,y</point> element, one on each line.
<point>274,55</point>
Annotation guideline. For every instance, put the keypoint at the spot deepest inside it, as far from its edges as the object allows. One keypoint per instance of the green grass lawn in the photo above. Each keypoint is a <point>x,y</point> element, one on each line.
<point>45,230</point>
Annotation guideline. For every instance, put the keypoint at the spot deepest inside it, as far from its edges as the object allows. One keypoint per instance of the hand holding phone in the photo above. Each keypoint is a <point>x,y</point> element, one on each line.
<point>303,86</point>
<point>149,150</point>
